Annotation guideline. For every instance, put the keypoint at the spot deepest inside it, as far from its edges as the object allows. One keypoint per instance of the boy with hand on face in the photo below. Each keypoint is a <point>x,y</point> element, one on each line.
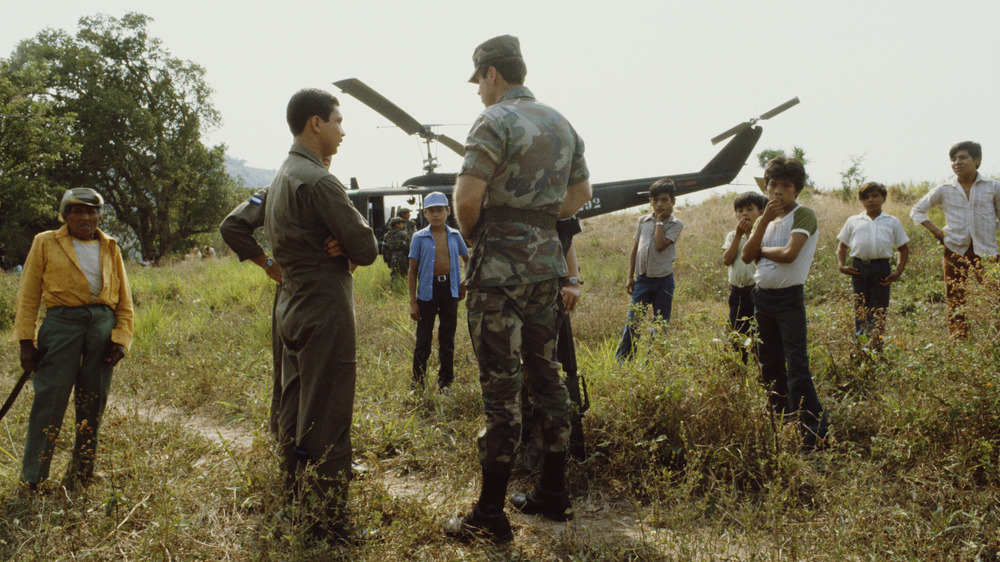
<point>783,243</point>
<point>435,285</point>
<point>870,238</point>
<point>747,206</point>
<point>653,253</point>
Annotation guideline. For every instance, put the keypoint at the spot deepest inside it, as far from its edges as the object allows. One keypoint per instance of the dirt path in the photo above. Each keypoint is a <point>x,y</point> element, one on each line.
<point>597,518</point>
<point>222,435</point>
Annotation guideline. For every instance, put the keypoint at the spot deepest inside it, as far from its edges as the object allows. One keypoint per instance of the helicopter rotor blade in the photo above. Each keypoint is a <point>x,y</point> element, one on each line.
<point>454,145</point>
<point>366,95</point>
<point>748,124</point>
<point>737,129</point>
<point>780,108</point>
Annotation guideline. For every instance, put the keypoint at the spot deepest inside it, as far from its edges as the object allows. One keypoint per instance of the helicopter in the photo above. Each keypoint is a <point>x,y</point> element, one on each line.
<point>607,197</point>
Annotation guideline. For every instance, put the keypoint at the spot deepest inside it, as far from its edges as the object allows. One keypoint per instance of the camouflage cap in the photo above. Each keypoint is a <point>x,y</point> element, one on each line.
<point>396,220</point>
<point>502,47</point>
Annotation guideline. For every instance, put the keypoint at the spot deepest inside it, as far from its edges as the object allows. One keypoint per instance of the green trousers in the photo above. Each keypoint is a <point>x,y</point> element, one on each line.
<point>74,342</point>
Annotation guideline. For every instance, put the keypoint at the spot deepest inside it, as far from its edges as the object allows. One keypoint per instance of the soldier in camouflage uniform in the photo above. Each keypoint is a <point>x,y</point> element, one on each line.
<point>411,225</point>
<point>397,248</point>
<point>523,170</point>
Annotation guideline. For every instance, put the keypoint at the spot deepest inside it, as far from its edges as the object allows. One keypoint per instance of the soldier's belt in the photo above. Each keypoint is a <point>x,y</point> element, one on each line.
<point>530,217</point>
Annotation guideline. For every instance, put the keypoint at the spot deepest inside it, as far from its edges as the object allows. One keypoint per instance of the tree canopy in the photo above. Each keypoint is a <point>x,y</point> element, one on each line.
<point>135,116</point>
<point>798,153</point>
<point>33,140</point>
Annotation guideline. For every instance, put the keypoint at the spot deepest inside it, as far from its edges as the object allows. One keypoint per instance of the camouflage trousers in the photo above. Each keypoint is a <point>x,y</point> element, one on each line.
<point>514,332</point>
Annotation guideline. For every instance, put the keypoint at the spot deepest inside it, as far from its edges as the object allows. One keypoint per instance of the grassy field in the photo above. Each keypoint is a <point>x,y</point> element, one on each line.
<point>685,460</point>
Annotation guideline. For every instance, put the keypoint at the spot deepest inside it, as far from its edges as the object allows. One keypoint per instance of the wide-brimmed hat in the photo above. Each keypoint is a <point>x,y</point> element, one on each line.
<point>80,196</point>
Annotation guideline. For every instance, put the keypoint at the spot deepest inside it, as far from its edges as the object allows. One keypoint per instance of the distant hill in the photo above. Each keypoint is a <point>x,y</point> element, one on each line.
<point>252,177</point>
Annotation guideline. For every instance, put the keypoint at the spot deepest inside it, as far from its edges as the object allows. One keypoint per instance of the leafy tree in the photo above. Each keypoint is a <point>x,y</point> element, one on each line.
<point>139,114</point>
<point>852,177</point>
<point>33,140</point>
<point>765,156</point>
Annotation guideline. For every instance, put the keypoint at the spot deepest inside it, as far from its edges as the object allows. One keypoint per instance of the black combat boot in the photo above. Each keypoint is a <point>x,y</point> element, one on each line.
<point>487,519</point>
<point>550,497</point>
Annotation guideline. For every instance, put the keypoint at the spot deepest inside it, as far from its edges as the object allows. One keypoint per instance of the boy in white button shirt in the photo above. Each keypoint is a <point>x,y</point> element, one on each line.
<point>971,203</point>
<point>783,243</point>
<point>870,238</point>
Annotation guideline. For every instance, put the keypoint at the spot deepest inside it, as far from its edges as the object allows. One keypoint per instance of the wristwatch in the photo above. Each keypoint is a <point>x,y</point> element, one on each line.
<point>269,263</point>
<point>573,281</point>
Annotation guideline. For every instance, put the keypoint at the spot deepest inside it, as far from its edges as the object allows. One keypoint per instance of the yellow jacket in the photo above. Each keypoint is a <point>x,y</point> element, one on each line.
<point>52,276</point>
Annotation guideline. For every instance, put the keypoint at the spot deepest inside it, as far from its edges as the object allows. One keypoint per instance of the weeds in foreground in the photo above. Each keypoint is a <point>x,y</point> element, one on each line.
<point>686,461</point>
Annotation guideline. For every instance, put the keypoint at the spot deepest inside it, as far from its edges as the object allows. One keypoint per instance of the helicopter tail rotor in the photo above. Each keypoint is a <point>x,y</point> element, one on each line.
<point>748,124</point>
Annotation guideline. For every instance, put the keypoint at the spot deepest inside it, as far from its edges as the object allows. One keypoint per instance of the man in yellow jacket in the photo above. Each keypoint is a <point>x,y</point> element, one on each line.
<point>78,274</point>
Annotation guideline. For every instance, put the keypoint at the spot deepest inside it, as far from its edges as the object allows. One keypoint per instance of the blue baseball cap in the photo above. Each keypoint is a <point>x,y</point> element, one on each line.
<point>436,199</point>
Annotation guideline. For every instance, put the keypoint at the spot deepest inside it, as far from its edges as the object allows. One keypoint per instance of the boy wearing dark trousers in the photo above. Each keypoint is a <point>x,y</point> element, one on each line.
<point>783,243</point>
<point>747,206</point>
<point>434,280</point>
<point>870,238</point>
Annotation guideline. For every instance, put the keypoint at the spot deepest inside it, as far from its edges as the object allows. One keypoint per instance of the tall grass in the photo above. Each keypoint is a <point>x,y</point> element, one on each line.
<point>686,460</point>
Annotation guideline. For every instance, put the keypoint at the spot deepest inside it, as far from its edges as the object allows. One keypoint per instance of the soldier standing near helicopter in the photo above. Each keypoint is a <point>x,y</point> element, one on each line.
<point>306,205</point>
<point>524,169</point>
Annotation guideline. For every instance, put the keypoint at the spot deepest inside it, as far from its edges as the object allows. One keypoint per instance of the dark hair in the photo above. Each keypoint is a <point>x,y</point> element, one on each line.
<point>308,102</point>
<point>786,168</point>
<point>870,186</point>
<point>975,150</point>
<point>511,69</point>
<point>748,198</point>
<point>661,186</point>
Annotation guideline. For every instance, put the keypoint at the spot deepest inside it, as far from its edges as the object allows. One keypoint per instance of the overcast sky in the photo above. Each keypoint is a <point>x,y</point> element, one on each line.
<point>646,84</point>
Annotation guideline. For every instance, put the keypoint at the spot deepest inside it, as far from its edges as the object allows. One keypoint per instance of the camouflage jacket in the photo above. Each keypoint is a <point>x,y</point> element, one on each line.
<point>528,153</point>
<point>397,248</point>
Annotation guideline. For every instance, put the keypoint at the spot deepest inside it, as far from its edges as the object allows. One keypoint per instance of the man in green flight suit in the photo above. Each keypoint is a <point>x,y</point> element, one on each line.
<point>523,170</point>
<point>305,205</point>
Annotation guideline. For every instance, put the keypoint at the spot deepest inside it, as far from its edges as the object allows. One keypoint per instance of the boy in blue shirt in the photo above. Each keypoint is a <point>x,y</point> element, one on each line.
<point>435,284</point>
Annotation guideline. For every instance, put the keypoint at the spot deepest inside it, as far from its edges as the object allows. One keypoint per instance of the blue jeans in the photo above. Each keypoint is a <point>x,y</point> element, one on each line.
<point>656,291</point>
<point>784,359</point>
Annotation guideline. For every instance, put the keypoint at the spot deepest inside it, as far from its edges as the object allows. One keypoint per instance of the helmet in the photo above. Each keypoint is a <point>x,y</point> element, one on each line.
<point>80,196</point>
<point>396,220</point>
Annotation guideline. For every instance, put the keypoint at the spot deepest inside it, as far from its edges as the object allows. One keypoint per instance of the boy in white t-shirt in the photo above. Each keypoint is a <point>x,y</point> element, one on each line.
<point>870,238</point>
<point>747,206</point>
<point>783,243</point>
